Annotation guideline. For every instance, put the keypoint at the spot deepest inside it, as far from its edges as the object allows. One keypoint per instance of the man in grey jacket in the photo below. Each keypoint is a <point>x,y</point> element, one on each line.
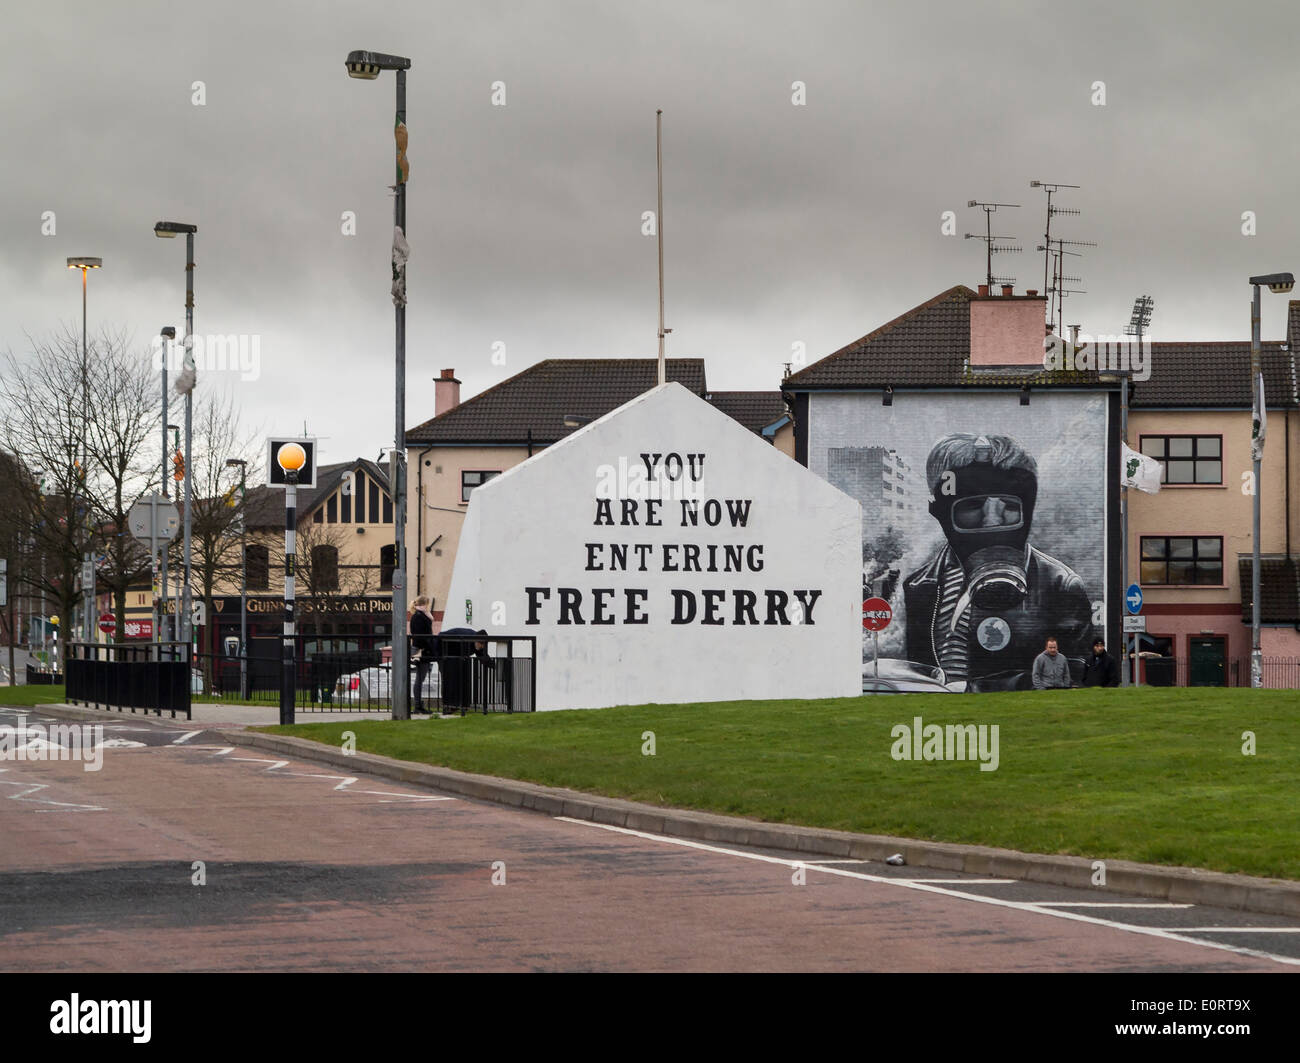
<point>1051,669</point>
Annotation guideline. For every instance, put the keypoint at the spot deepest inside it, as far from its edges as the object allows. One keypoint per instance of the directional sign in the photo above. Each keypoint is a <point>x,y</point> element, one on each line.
<point>1135,623</point>
<point>876,614</point>
<point>143,513</point>
<point>1133,599</point>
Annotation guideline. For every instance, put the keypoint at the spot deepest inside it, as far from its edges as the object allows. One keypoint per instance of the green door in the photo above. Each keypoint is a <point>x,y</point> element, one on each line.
<point>1207,663</point>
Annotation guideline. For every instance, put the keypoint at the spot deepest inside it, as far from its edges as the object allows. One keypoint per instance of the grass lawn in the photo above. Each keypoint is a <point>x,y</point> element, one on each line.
<point>30,694</point>
<point>1154,775</point>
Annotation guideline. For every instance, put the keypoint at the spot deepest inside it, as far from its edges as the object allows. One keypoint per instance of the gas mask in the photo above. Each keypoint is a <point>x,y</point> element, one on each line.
<point>986,521</point>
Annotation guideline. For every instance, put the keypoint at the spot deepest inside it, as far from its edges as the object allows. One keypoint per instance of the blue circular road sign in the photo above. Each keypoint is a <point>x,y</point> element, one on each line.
<point>1133,598</point>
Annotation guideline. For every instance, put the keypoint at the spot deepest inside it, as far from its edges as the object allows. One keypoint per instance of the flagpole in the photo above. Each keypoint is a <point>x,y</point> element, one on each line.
<point>1123,530</point>
<point>1256,446</point>
<point>659,230</point>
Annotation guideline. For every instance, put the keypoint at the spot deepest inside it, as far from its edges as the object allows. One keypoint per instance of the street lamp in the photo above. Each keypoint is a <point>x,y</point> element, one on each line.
<point>243,579</point>
<point>367,67</point>
<point>291,457</point>
<point>168,230</point>
<point>84,263</point>
<point>1278,283</point>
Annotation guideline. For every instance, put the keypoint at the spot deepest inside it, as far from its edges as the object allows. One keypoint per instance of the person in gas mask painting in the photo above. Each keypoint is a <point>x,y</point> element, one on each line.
<point>980,607</point>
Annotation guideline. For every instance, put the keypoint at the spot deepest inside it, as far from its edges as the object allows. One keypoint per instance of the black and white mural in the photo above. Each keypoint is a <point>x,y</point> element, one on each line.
<point>983,525</point>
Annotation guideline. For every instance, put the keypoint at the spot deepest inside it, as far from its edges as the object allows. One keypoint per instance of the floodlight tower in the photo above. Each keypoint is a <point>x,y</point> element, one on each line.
<point>1138,323</point>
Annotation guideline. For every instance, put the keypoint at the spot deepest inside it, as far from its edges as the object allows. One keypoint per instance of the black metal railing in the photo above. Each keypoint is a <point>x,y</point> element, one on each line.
<point>1276,673</point>
<point>145,676</point>
<point>344,675</point>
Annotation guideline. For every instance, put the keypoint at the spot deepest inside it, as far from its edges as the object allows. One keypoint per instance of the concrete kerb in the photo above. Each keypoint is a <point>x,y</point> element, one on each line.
<point>1176,884</point>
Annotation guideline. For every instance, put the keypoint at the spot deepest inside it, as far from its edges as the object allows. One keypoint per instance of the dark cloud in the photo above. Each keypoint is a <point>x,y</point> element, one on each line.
<point>783,224</point>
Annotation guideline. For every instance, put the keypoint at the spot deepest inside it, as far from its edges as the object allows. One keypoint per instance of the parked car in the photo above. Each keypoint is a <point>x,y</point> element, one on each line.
<point>902,677</point>
<point>371,684</point>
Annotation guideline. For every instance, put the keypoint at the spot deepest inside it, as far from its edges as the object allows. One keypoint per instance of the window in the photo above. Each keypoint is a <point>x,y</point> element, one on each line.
<point>374,502</point>
<point>324,568</point>
<point>332,510</point>
<point>257,565</point>
<point>388,510</point>
<point>318,516</point>
<point>1182,561</point>
<point>359,488</point>
<point>1186,459</point>
<point>470,480</point>
<point>345,506</point>
<point>386,565</point>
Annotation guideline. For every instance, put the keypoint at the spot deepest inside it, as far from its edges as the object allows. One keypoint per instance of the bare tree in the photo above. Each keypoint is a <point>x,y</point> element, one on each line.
<point>83,426</point>
<point>323,575</point>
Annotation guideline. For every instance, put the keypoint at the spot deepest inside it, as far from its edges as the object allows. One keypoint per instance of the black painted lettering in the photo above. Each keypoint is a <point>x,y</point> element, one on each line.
<point>535,597</point>
<point>670,557</point>
<point>776,603</point>
<point>738,510</point>
<point>690,512</point>
<point>712,512</point>
<point>570,600</point>
<point>808,604</point>
<point>691,557</point>
<point>696,473</point>
<point>712,607</point>
<point>600,614</point>
<point>629,512</point>
<point>604,512</point>
<point>745,607</point>
<point>652,512</point>
<point>593,551</point>
<point>754,557</point>
<point>635,599</point>
<point>681,600</point>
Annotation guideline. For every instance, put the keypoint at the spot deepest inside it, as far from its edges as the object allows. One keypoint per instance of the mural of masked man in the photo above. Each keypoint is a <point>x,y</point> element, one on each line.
<point>981,607</point>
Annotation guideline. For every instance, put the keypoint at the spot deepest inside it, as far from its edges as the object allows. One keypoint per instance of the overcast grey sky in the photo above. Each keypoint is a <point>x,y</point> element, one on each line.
<point>782,223</point>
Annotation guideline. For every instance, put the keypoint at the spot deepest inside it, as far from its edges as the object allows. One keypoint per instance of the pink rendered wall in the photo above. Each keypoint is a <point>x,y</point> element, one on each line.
<point>1007,330</point>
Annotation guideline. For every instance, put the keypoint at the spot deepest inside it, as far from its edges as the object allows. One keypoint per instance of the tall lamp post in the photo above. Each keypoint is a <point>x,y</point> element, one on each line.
<point>84,263</point>
<point>291,458</point>
<point>168,230</point>
<point>367,66</point>
<point>1278,283</point>
<point>243,580</point>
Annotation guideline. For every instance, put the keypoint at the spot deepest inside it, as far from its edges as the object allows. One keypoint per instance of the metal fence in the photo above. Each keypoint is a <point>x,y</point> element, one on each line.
<point>352,675</point>
<point>146,676</point>
<point>1277,673</point>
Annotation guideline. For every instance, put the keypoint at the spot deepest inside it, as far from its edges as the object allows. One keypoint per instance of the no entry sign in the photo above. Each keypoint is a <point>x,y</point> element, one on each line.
<point>107,623</point>
<point>876,614</point>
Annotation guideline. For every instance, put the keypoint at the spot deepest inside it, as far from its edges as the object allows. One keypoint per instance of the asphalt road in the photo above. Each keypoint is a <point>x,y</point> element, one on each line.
<point>183,854</point>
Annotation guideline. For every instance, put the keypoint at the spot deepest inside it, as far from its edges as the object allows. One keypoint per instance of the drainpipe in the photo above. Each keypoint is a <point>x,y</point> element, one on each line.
<point>419,522</point>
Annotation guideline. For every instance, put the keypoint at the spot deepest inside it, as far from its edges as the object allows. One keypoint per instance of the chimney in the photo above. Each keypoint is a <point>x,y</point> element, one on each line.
<point>1007,330</point>
<point>984,289</point>
<point>446,395</point>
<point>1031,291</point>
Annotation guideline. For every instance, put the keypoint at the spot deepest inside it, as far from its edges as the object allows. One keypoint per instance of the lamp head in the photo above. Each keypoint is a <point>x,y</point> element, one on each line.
<point>1278,283</point>
<point>168,230</point>
<point>367,65</point>
<point>82,262</point>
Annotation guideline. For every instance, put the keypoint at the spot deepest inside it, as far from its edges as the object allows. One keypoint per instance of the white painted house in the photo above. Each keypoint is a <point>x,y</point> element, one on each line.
<point>666,554</point>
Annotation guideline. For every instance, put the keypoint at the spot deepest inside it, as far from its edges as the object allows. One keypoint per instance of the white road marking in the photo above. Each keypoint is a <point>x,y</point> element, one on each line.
<point>186,737</point>
<point>1107,904</point>
<point>997,902</point>
<point>61,806</point>
<point>836,861</point>
<point>1243,930</point>
<point>345,781</point>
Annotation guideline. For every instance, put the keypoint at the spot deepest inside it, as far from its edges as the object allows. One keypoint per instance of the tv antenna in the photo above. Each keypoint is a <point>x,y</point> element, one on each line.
<point>1056,290</point>
<point>991,245</point>
<point>1141,319</point>
<point>1050,187</point>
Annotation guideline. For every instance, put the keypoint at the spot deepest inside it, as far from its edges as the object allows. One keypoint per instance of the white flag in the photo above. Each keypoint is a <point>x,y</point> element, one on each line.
<point>1139,471</point>
<point>1259,424</point>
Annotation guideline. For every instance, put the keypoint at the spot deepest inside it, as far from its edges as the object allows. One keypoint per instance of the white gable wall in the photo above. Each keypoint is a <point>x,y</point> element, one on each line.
<point>531,528</point>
